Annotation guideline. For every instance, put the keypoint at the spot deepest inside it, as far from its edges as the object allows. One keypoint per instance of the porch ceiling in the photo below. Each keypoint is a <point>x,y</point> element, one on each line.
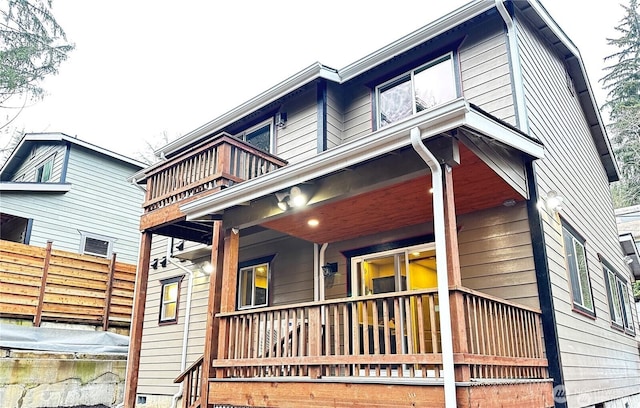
<point>476,187</point>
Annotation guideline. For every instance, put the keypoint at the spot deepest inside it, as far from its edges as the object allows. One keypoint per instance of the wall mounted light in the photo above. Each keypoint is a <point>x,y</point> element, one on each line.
<point>294,198</point>
<point>330,269</point>
<point>180,245</point>
<point>554,201</point>
<point>154,263</point>
<point>281,119</point>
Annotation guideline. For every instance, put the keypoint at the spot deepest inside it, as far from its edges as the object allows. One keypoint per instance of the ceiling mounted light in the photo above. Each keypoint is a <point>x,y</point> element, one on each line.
<point>294,198</point>
<point>313,222</point>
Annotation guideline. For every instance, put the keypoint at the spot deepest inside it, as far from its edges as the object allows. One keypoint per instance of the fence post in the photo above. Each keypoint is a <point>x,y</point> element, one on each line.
<point>43,283</point>
<point>107,297</point>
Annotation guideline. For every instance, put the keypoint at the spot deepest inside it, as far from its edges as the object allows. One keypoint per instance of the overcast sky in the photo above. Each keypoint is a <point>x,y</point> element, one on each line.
<point>141,68</point>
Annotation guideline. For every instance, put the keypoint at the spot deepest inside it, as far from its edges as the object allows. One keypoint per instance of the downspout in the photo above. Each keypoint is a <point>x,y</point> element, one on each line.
<point>323,248</point>
<point>441,267</point>
<point>316,271</point>
<point>514,59</point>
<point>187,318</point>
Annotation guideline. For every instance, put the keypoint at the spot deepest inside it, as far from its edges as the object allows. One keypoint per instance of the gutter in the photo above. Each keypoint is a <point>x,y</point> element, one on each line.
<point>441,267</point>
<point>187,318</point>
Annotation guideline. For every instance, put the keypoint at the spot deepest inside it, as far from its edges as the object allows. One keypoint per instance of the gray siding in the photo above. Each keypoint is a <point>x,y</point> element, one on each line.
<point>357,113</point>
<point>27,170</point>
<point>485,71</point>
<point>335,119</point>
<point>101,201</point>
<point>298,140</point>
<point>599,363</point>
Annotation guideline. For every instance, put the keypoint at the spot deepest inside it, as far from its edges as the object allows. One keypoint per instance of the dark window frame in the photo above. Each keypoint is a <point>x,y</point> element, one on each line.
<point>622,288</point>
<point>163,283</point>
<point>573,272</point>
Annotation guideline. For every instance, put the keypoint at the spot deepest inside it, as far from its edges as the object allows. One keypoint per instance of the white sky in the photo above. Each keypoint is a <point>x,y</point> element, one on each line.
<point>141,68</point>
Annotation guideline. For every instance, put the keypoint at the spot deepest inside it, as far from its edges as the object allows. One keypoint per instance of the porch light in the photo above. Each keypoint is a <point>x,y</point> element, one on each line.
<point>554,201</point>
<point>295,197</point>
<point>313,222</point>
<point>330,269</point>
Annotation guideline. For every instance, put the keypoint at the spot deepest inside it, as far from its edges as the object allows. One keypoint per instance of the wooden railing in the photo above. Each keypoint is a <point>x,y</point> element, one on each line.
<point>45,284</point>
<point>393,334</point>
<point>504,339</point>
<point>192,378</point>
<point>217,163</point>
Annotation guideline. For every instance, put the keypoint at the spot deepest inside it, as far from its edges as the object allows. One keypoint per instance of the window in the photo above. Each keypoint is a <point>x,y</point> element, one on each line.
<point>253,283</point>
<point>94,244</point>
<point>430,85</point>
<point>576,257</point>
<point>618,295</point>
<point>169,298</point>
<point>260,136</point>
<point>43,172</point>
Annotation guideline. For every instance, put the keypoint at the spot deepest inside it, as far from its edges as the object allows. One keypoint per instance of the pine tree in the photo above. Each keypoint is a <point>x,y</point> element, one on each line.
<point>623,101</point>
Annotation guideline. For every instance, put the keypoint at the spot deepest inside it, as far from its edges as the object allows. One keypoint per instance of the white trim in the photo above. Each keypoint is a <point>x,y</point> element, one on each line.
<point>83,238</point>
<point>243,135</point>
<point>431,122</point>
<point>253,269</point>
<point>35,187</point>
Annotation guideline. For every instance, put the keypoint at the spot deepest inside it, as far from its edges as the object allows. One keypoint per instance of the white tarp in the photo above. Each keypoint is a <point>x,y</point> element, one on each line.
<point>62,340</point>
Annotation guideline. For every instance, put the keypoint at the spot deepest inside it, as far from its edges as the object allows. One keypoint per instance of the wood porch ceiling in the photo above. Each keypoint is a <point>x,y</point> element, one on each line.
<point>476,187</point>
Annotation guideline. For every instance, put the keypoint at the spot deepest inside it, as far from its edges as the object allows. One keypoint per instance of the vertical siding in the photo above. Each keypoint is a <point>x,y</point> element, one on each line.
<point>297,141</point>
<point>599,363</point>
<point>485,71</point>
<point>335,119</point>
<point>161,350</point>
<point>357,113</point>
<point>101,201</point>
<point>44,151</point>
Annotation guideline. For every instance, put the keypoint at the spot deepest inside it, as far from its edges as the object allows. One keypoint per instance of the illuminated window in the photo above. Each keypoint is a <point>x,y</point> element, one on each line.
<point>169,298</point>
<point>253,283</point>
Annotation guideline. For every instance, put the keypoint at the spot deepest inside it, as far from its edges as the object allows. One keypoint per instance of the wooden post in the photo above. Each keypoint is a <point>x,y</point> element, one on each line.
<point>315,339</point>
<point>107,297</point>
<point>228,288</point>
<point>212,331</point>
<point>43,284</point>
<point>456,300</point>
<point>135,336</point>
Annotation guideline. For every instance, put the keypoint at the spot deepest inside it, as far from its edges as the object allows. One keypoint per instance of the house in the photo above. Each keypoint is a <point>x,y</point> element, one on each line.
<point>628,219</point>
<point>59,188</point>
<point>429,226</point>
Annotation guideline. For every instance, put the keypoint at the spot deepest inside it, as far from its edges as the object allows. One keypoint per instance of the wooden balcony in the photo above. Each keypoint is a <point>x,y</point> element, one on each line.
<point>203,170</point>
<point>391,338</point>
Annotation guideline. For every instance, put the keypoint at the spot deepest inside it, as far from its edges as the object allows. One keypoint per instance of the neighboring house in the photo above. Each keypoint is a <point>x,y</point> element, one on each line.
<point>328,218</point>
<point>55,187</point>
<point>628,219</point>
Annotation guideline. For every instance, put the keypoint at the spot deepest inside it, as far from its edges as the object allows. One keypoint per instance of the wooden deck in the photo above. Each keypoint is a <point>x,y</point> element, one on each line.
<point>44,284</point>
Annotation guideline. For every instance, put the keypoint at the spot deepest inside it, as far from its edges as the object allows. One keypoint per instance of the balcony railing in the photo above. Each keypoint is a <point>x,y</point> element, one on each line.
<point>386,335</point>
<point>218,163</point>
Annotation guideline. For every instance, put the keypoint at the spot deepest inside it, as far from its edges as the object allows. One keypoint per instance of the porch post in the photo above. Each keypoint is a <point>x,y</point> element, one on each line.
<point>135,336</point>
<point>456,300</point>
<point>228,288</point>
<point>212,330</point>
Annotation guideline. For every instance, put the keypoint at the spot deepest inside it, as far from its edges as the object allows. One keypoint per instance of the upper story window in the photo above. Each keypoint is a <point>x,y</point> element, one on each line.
<point>260,136</point>
<point>253,283</point>
<point>429,85</point>
<point>619,302</point>
<point>94,244</point>
<point>576,256</point>
<point>43,172</point>
<point>169,300</point>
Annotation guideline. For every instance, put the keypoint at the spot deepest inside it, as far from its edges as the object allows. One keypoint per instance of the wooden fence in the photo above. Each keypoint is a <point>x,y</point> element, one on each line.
<point>44,284</point>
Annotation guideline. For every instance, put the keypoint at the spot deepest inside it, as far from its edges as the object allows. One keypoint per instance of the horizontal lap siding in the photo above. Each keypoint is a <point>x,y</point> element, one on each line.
<point>357,112</point>
<point>161,351</point>
<point>297,141</point>
<point>335,118</point>
<point>496,255</point>
<point>596,359</point>
<point>485,72</point>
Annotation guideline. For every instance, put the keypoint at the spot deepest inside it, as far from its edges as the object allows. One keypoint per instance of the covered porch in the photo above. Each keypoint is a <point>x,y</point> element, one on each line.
<point>350,335</point>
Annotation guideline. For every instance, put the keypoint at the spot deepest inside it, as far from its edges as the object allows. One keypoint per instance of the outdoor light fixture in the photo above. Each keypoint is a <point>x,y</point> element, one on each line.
<point>554,201</point>
<point>293,198</point>
<point>154,263</point>
<point>330,269</point>
<point>281,119</point>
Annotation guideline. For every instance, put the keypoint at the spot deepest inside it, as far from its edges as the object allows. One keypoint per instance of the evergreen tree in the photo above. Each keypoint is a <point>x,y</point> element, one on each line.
<point>623,101</point>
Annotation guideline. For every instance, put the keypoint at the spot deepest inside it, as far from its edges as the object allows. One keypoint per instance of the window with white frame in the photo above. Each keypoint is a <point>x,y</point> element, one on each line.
<point>619,301</point>
<point>253,283</point>
<point>94,244</point>
<point>422,88</point>
<point>169,300</point>
<point>260,136</point>
<point>43,172</point>
<point>576,257</point>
